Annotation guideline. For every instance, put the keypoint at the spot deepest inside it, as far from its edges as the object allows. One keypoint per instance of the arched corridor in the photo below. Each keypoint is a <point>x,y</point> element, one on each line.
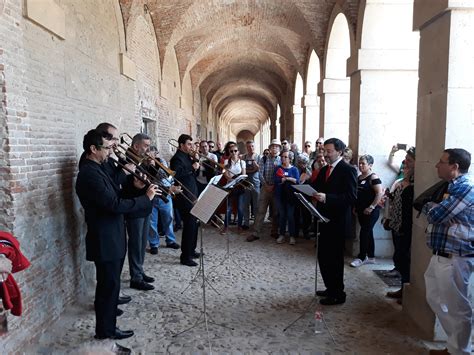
<point>373,73</point>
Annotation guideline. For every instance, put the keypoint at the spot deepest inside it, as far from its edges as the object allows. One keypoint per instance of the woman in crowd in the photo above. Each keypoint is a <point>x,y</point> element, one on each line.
<point>369,194</point>
<point>302,215</point>
<point>226,153</point>
<point>318,163</point>
<point>234,167</point>
<point>400,220</point>
<point>285,176</point>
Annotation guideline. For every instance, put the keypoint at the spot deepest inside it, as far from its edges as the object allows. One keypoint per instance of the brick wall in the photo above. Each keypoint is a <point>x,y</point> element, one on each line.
<point>52,91</point>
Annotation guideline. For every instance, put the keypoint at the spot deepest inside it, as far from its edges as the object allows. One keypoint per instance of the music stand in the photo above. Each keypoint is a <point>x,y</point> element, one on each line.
<point>203,210</point>
<point>228,255</point>
<point>319,219</point>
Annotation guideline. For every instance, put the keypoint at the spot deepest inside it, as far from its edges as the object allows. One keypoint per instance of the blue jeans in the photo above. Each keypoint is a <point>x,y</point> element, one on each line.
<point>286,214</point>
<point>240,204</point>
<point>165,212</point>
<point>250,196</point>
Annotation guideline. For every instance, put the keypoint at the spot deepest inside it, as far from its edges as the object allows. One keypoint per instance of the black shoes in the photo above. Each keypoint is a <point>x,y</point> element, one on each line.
<point>121,350</point>
<point>173,245</point>
<point>322,293</point>
<point>141,285</point>
<point>189,262</point>
<point>119,334</point>
<point>196,255</point>
<point>331,301</point>
<point>119,312</point>
<point>148,278</point>
<point>124,299</point>
<point>154,250</point>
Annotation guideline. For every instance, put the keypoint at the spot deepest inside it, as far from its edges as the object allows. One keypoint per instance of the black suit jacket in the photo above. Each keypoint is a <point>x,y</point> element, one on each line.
<point>182,164</point>
<point>341,193</point>
<point>104,208</point>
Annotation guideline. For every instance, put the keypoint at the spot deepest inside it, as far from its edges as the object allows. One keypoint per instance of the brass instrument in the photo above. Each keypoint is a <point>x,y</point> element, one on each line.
<point>124,150</point>
<point>216,166</point>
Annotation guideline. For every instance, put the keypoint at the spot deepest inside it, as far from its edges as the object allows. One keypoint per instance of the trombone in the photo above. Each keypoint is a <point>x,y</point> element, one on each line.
<point>137,160</point>
<point>216,166</point>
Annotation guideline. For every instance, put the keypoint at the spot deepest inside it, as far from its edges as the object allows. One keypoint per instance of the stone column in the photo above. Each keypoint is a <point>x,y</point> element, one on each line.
<point>334,95</point>
<point>444,120</point>
<point>310,119</point>
<point>383,82</point>
<point>297,125</point>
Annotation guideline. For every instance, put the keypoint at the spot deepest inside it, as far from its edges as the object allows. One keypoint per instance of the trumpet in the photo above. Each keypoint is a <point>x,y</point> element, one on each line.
<point>216,166</point>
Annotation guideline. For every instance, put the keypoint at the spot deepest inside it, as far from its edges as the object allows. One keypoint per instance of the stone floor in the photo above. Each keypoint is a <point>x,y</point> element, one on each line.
<point>255,294</point>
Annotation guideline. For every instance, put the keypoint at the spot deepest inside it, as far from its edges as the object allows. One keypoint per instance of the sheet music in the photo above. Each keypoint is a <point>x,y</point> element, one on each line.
<point>234,182</point>
<point>305,188</point>
<point>311,207</point>
<point>208,202</point>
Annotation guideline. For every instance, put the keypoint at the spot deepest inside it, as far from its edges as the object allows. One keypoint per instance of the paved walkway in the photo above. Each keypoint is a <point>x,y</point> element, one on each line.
<point>261,289</point>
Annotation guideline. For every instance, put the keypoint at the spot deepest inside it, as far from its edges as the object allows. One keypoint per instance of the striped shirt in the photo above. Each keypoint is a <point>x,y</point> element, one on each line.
<point>451,222</point>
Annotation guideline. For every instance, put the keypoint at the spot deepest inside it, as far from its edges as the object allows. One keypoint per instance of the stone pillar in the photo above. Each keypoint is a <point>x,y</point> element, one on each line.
<point>298,125</point>
<point>310,118</point>
<point>334,95</point>
<point>444,119</point>
<point>383,83</point>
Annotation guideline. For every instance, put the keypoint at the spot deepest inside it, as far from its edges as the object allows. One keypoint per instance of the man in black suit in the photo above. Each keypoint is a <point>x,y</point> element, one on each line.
<point>336,187</point>
<point>186,171</point>
<point>105,240</point>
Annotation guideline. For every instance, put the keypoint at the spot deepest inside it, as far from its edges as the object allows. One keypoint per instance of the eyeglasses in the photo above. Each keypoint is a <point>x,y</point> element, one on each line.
<point>211,146</point>
<point>284,143</point>
<point>319,142</point>
<point>107,148</point>
<point>308,145</point>
<point>233,151</point>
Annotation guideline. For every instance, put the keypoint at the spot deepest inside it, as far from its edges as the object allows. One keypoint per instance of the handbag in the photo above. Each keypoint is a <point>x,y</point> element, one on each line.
<point>434,193</point>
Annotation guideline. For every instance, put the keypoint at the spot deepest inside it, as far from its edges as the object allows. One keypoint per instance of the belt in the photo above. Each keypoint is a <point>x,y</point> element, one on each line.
<point>447,255</point>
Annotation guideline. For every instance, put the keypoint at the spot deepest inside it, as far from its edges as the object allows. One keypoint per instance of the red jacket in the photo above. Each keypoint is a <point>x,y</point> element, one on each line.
<point>9,290</point>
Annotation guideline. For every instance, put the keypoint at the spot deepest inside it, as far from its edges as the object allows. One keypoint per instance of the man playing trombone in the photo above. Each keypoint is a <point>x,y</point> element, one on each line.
<point>162,211</point>
<point>104,207</point>
<point>186,167</point>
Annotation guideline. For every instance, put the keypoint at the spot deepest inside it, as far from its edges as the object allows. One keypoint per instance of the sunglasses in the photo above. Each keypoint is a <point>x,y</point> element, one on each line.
<point>233,151</point>
<point>308,145</point>
<point>285,143</point>
<point>319,142</point>
<point>211,146</point>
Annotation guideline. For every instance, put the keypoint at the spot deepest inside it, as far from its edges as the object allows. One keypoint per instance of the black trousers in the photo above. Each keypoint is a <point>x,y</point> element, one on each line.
<point>189,235</point>
<point>331,258</point>
<point>106,296</point>
<point>366,235</point>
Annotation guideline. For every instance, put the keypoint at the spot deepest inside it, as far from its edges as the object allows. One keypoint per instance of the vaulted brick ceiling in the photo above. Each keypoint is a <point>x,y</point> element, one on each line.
<point>242,55</point>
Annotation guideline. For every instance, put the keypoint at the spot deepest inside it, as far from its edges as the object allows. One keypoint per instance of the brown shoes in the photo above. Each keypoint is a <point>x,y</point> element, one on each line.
<point>395,294</point>
<point>440,352</point>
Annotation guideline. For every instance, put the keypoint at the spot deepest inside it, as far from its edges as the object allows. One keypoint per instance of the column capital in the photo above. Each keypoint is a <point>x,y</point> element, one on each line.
<point>310,101</point>
<point>426,11</point>
<point>382,59</point>
<point>334,86</point>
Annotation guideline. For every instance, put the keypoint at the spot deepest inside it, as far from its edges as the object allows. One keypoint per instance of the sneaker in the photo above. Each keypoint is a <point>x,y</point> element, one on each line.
<point>370,261</point>
<point>292,241</point>
<point>357,262</point>
<point>281,239</point>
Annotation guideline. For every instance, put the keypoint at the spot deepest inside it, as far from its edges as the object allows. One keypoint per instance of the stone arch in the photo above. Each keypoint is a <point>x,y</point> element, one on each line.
<point>120,27</point>
<point>171,83</point>
<point>335,86</point>
<point>311,99</point>
<point>143,51</point>
<point>298,111</point>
